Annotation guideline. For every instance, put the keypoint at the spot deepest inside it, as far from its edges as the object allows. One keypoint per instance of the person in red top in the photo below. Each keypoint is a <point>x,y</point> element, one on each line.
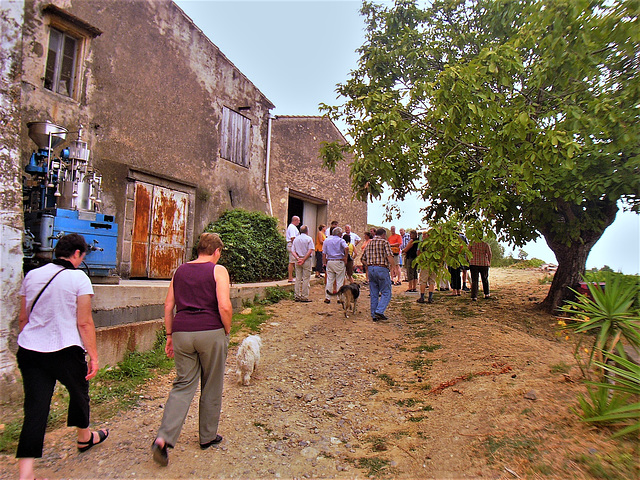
<point>479,265</point>
<point>395,241</point>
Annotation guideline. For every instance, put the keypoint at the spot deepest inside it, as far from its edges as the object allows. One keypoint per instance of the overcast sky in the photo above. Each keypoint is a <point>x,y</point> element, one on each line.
<point>296,52</point>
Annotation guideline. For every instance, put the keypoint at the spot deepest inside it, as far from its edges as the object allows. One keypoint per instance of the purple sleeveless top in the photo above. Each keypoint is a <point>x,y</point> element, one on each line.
<point>194,289</point>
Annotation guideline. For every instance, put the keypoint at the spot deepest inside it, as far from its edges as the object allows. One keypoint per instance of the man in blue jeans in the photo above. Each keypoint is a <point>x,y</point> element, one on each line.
<point>379,260</point>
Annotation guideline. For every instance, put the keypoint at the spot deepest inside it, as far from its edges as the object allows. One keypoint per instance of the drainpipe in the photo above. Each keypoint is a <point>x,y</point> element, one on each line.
<point>266,170</point>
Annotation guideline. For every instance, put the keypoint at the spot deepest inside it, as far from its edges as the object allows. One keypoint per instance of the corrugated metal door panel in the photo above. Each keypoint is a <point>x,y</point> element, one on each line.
<point>140,234</point>
<point>168,232</point>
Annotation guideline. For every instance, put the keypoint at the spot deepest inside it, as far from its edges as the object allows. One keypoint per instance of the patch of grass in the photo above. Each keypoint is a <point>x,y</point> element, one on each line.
<point>519,446</point>
<point>427,332</point>
<point>417,418</point>
<point>547,279</point>
<point>464,312</point>
<point>262,426</point>
<point>387,379</point>
<point>560,368</point>
<point>379,444</point>
<point>275,294</point>
<point>425,386</point>
<point>619,464</point>
<point>425,347</point>
<point>427,408</point>
<point>419,363</point>
<point>10,435</point>
<point>408,402</point>
<point>373,465</point>
<point>372,391</point>
<point>250,321</point>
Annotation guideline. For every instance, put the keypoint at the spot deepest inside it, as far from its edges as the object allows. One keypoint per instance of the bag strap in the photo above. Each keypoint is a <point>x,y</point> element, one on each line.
<point>43,288</point>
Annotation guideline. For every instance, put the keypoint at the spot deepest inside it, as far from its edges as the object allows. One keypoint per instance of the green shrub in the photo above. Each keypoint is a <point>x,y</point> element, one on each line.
<point>254,249</point>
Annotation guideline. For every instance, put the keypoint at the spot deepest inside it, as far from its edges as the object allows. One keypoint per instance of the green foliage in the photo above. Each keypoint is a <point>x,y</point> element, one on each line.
<point>600,405</point>
<point>251,321</point>
<point>275,294</point>
<point>254,250</point>
<point>524,264</point>
<point>519,113</point>
<point>623,378</point>
<point>609,313</point>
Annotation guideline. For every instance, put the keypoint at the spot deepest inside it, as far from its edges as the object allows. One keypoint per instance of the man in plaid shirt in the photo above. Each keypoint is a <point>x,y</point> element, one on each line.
<point>378,257</point>
<point>479,265</point>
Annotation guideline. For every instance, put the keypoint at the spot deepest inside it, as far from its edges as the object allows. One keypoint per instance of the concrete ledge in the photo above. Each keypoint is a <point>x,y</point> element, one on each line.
<point>128,315</point>
<point>115,342</point>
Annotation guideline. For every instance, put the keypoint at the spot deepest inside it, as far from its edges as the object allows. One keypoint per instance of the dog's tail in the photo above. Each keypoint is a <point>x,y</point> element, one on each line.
<point>332,294</point>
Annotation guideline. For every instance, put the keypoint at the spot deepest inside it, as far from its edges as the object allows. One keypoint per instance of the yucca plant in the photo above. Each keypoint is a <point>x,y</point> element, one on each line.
<point>623,378</point>
<point>608,313</point>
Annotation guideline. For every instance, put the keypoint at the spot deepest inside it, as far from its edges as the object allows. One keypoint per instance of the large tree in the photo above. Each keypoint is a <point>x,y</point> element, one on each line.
<point>522,113</point>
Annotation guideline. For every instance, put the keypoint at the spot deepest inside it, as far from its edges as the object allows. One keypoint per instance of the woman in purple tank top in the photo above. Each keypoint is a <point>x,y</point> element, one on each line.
<point>198,339</point>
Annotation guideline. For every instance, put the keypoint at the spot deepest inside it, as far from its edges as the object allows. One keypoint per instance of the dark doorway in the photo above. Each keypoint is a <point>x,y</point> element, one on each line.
<point>296,207</point>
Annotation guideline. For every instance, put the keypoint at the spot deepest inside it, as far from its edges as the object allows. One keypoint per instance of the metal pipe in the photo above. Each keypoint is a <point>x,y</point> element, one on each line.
<point>266,170</point>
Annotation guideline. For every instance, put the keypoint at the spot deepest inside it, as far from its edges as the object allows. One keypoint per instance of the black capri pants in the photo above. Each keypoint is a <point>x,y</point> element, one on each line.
<point>40,371</point>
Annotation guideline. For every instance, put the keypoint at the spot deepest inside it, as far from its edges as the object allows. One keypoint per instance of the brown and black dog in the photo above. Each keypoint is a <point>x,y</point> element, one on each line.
<point>348,296</point>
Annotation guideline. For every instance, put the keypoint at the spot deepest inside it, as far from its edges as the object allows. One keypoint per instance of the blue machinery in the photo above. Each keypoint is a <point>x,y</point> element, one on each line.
<point>63,195</point>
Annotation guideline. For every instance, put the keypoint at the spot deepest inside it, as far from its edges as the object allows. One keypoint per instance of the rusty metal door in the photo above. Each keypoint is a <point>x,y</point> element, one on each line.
<point>159,231</point>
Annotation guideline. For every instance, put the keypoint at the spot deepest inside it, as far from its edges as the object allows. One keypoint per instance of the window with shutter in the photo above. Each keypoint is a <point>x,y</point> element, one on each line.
<point>235,137</point>
<point>61,63</point>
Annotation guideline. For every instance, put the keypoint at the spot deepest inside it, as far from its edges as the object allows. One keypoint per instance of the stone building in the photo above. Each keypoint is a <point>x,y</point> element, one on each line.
<point>300,184</point>
<point>177,132</point>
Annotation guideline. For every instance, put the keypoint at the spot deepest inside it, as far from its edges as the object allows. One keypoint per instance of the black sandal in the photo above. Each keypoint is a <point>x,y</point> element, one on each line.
<point>103,434</point>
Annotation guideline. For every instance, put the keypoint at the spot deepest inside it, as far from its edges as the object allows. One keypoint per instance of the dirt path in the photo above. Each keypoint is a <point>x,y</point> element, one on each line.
<point>450,390</point>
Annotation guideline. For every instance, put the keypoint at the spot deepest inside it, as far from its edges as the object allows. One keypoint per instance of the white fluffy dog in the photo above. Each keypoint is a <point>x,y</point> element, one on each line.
<point>248,358</point>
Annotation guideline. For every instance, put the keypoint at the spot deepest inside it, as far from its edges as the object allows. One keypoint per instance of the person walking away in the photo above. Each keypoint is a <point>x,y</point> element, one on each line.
<point>302,250</point>
<point>334,256</point>
<point>292,233</point>
<point>198,339</point>
<point>56,330</point>
<point>320,238</point>
<point>410,253</point>
<point>395,241</point>
<point>379,260</point>
<point>479,266</point>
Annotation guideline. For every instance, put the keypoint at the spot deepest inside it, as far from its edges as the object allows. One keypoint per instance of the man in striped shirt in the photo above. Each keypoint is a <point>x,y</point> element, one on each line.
<point>379,260</point>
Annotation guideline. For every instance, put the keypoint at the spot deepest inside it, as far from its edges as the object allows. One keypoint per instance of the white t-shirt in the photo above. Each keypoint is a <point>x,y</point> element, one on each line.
<point>292,232</point>
<point>53,322</point>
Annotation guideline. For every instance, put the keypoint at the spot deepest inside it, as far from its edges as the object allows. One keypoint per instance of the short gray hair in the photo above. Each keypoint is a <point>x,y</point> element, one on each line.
<point>337,232</point>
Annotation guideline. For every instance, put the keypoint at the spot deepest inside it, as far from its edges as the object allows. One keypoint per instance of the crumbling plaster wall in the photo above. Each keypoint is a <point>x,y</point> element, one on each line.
<point>11,219</point>
<point>296,165</point>
<point>154,89</point>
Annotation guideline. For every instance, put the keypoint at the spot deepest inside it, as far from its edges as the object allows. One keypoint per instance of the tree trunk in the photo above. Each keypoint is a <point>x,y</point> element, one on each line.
<point>572,256</point>
<point>571,267</point>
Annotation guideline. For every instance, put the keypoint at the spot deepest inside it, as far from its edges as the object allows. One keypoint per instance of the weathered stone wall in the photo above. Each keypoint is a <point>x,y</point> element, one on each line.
<point>296,165</point>
<point>153,91</point>
<point>11,219</point>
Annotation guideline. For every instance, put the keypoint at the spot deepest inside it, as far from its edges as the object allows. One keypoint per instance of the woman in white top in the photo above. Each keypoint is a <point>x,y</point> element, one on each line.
<point>56,329</point>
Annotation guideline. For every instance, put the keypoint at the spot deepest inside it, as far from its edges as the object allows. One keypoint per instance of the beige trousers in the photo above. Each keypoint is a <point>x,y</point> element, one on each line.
<point>303,276</point>
<point>198,356</point>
